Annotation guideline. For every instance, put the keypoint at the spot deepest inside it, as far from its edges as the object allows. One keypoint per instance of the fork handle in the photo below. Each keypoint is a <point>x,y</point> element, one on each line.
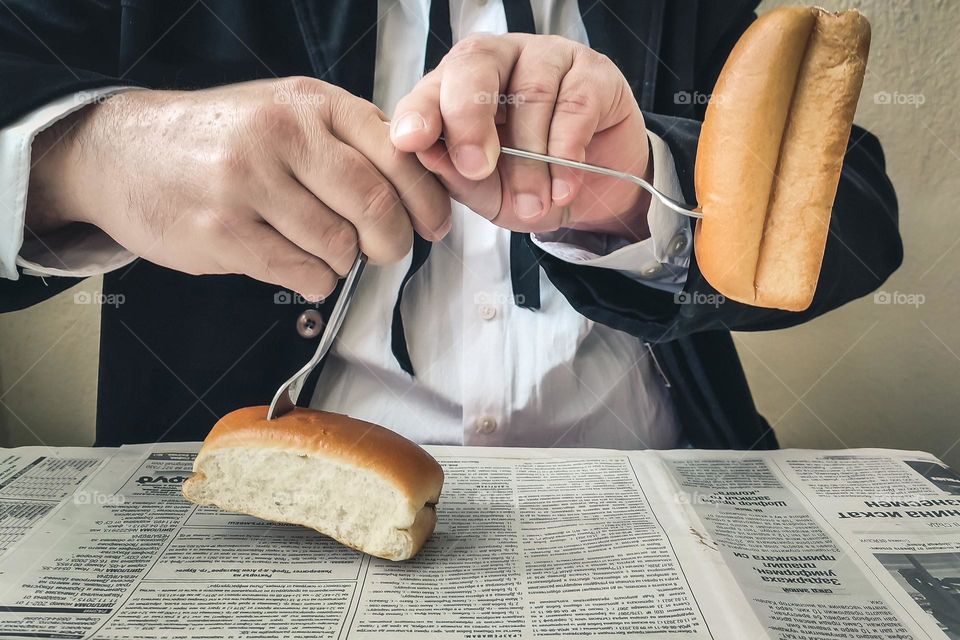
<point>285,399</point>
<point>675,205</point>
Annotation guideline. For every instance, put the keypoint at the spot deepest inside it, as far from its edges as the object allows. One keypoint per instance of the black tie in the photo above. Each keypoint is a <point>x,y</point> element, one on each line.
<point>439,39</point>
<point>524,267</point>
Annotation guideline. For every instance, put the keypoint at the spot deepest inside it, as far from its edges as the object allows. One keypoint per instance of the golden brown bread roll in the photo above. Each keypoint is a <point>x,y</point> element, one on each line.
<point>357,482</point>
<point>771,150</point>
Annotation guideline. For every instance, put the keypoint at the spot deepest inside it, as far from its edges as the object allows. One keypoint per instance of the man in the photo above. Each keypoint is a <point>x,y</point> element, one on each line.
<point>543,307</point>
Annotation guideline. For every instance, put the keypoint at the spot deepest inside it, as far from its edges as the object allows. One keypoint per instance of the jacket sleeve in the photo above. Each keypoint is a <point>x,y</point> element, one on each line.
<point>863,247</point>
<point>48,50</point>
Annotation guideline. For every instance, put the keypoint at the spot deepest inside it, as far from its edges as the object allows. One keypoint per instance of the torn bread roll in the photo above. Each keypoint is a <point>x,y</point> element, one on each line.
<point>359,483</point>
<point>771,150</point>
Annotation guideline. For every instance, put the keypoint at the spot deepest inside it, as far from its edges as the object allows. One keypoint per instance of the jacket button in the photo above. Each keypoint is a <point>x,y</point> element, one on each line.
<point>310,324</point>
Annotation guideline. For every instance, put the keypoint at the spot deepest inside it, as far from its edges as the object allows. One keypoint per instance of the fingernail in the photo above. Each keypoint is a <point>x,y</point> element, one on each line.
<point>527,205</point>
<point>471,161</point>
<point>407,124</point>
<point>559,189</point>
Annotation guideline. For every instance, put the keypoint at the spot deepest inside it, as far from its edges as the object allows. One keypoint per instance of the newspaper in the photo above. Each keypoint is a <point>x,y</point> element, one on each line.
<point>98,543</point>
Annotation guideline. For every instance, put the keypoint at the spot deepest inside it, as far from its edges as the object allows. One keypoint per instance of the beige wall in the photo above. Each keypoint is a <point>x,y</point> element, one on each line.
<point>48,370</point>
<point>866,375</point>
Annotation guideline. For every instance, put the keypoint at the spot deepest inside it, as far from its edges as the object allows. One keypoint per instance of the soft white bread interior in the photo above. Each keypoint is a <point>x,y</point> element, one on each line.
<point>771,150</point>
<point>359,483</point>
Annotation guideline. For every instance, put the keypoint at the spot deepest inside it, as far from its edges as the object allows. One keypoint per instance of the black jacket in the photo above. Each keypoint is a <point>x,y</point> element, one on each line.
<point>183,350</point>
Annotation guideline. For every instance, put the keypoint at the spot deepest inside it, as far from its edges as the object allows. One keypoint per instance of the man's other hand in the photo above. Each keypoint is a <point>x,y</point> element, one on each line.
<point>281,180</point>
<point>544,94</point>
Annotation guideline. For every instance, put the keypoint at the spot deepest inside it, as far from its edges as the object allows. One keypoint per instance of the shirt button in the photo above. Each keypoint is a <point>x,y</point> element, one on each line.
<point>309,323</point>
<point>651,270</point>
<point>678,244</point>
<point>486,425</point>
<point>488,311</point>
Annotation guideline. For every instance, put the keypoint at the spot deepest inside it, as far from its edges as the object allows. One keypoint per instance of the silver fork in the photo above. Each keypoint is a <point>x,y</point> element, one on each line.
<point>675,205</point>
<point>285,399</point>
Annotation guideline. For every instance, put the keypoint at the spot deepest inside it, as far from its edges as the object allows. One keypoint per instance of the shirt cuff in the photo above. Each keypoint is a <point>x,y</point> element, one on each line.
<point>660,261</point>
<point>77,252</point>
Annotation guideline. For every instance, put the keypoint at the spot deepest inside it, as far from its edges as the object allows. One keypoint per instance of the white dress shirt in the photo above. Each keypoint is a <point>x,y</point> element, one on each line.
<point>487,371</point>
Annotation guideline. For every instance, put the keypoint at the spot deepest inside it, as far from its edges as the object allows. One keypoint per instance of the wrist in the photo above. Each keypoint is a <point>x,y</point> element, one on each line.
<point>72,175</point>
<point>47,206</point>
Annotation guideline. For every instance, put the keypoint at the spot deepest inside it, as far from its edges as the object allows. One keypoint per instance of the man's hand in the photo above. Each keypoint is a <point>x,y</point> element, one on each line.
<point>539,93</point>
<point>279,180</point>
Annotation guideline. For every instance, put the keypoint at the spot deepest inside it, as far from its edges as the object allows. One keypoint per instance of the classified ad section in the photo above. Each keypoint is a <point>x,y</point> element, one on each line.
<point>530,543</point>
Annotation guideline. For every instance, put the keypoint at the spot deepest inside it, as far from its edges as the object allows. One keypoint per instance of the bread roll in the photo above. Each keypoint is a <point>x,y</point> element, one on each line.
<point>362,484</point>
<point>771,150</point>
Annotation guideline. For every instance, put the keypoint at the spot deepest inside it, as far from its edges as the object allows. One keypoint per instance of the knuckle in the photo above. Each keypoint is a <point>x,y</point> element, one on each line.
<point>268,266</point>
<point>347,112</point>
<point>341,239</point>
<point>575,102</point>
<point>473,46</point>
<point>230,170</point>
<point>555,41</point>
<point>371,113</point>
<point>592,57</point>
<point>363,118</point>
<point>306,266</point>
<point>300,84</point>
<point>467,109</point>
<point>379,201</point>
<point>395,162</point>
<point>299,93</point>
<point>535,91</point>
<point>562,147</point>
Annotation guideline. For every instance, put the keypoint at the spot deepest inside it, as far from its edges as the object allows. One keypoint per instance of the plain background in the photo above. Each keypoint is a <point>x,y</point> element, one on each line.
<point>874,373</point>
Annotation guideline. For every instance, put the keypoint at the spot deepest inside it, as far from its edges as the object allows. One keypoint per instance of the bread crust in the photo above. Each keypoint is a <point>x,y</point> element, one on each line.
<point>413,471</point>
<point>771,150</point>
<point>740,144</point>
